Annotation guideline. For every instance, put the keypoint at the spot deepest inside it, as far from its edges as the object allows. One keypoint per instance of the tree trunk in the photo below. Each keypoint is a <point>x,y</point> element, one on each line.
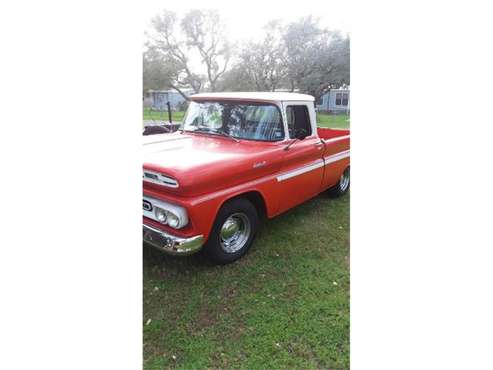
<point>180,92</point>
<point>292,86</point>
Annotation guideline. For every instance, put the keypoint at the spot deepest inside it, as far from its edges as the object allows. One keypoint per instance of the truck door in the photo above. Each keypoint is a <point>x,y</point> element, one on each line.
<point>302,170</point>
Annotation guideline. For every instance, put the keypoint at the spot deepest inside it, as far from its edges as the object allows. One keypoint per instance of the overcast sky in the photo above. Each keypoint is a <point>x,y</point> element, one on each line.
<point>246,18</point>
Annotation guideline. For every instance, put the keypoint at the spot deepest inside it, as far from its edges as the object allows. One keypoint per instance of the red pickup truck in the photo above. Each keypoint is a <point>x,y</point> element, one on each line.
<point>238,158</point>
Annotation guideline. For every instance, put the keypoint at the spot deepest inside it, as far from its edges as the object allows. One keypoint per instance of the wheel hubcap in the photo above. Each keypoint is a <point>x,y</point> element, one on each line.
<point>235,232</point>
<point>344,180</point>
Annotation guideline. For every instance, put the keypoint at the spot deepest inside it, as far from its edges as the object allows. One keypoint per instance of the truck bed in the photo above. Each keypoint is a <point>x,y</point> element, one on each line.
<point>329,133</point>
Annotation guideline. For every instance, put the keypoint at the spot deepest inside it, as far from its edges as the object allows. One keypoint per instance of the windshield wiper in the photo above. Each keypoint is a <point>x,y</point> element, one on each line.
<point>215,132</point>
<point>224,133</point>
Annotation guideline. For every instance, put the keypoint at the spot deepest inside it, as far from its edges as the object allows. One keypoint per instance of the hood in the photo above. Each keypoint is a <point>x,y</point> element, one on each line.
<point>204,163</point>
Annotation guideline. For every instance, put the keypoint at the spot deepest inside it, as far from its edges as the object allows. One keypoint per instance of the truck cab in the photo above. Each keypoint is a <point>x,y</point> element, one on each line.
<point>237,159</point>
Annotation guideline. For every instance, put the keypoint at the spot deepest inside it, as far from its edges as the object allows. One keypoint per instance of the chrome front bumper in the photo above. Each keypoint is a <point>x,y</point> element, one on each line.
<point>171,244</point>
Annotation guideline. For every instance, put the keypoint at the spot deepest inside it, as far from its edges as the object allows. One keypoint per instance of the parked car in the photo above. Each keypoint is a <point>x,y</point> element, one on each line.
<point>154,129</point>
<point>237,159</point>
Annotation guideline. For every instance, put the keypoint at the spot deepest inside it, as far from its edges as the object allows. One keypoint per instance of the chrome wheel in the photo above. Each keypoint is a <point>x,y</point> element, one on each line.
<point>235,232</point>
<point>344,181</point>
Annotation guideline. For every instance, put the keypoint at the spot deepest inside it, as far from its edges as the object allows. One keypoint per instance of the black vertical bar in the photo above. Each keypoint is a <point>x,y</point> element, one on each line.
<point>169,111</point>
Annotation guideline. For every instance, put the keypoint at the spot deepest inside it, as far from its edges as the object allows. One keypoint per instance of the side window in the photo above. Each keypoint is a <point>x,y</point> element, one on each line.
<point>345,99</point>
<point>298,118</point>
<point>342,99</point>
<point>338,99</point>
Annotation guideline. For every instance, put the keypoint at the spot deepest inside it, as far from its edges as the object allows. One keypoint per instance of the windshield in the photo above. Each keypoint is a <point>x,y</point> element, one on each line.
<point>248,121</point>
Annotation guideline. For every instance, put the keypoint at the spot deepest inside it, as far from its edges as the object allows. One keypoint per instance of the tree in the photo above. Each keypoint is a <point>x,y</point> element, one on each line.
<point>157,73</point>
<point>263,62</point>
<point>174,43</point>
<point>300,56</point>
<point>317,59</point>
<point>236,79</point>
<point>165,47</point>
<point>206,32</point>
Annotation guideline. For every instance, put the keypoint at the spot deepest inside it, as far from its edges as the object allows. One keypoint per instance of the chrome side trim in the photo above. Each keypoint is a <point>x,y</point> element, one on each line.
<point>171,244</point>
<point>328,141</point>
<point>336,157</point>
<point>160,179</point>
<point>300,171</point>
<point>262,180</point>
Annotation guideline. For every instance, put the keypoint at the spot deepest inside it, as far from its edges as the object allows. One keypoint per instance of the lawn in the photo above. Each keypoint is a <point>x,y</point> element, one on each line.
<point>323,119</point>
<point>284,305</point>
<point>161,116</point>
<point>333,120</point>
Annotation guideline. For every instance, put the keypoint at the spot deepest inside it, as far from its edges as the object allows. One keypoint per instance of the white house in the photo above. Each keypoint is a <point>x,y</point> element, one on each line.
<point>336,100</point>
<point>158,99</point>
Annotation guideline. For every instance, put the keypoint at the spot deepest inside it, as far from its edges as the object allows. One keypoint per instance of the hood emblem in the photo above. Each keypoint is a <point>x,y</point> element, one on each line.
<point>259,164</point>
<point>159,178</point>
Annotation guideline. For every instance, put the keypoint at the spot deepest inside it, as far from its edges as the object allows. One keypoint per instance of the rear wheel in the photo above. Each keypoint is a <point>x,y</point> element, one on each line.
<point>233,232</point>
<point>342,185</point>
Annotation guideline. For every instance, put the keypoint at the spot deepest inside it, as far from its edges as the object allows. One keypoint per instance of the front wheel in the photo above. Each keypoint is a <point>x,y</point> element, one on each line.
<point>233,232</point>
<point>342,185</point>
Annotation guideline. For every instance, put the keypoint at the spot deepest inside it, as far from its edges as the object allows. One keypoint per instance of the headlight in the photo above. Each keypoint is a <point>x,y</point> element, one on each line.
<point>173,220</point>
<point>161,215</point>
<point>169,218</point>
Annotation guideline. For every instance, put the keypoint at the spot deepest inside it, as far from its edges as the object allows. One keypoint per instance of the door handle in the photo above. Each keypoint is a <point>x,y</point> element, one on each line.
<point>319,145</point>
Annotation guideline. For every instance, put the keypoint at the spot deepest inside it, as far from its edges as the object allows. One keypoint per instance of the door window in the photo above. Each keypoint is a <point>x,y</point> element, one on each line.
<point>298,118</point>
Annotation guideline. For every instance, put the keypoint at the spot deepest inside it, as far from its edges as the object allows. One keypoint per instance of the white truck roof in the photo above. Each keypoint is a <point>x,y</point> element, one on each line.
<point>267,96</point>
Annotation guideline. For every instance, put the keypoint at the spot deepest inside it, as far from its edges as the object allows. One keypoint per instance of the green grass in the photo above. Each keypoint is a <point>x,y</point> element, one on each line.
<point>160,116</point>
<point>333,120</point>
<point>285,305</point>
<point>323,119</point>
